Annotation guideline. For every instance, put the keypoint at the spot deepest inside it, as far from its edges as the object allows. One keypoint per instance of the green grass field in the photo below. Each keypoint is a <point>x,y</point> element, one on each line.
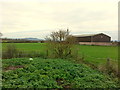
<point>52,73</point>
<point>99,54</point>
<point>93,54</point>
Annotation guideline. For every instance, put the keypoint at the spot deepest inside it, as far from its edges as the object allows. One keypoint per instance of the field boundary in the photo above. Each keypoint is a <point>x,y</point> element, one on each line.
<point>99,43</point>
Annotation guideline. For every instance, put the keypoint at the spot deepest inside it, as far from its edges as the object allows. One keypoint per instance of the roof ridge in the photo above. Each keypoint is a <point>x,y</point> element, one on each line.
<point>83,35</point>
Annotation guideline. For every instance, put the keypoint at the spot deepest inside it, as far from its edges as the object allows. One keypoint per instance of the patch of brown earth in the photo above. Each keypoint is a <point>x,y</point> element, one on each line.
<point>61,82</point>
<point>13,67</point>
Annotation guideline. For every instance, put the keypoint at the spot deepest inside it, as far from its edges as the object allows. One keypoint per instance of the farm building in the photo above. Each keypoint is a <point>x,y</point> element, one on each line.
<point>93,38</point>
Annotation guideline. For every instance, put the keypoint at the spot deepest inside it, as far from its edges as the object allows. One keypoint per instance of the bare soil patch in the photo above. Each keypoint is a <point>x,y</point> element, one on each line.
<point>13,67</point>
<point>61,82</point>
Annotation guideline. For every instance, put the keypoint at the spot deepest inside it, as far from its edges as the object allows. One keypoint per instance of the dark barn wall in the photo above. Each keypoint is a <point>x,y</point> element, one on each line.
<point>101,38</point>
<point>95,38</point>
<point>84,39</point>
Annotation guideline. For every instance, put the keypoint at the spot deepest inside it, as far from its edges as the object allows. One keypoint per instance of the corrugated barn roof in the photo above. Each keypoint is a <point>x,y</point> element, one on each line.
<point>86,35</point>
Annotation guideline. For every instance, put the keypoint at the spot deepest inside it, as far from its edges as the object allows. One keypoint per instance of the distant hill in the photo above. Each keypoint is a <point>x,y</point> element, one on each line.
<point>22,40</point>
<point>33,39</point>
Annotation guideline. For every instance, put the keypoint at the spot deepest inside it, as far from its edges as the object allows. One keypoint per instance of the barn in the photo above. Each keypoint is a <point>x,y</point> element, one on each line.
<point>100,37</point>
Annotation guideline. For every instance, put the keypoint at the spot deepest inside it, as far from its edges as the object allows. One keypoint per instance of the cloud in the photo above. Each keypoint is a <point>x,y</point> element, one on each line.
<point>24,18</point>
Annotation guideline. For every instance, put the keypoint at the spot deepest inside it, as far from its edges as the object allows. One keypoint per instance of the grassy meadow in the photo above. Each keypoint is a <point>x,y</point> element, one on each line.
<point>93,54</point>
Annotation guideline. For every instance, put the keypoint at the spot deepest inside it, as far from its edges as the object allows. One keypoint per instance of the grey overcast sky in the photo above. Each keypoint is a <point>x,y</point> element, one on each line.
<point>21,19</point>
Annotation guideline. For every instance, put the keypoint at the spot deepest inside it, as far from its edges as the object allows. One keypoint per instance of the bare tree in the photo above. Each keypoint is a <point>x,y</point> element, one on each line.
<point>60,43</point>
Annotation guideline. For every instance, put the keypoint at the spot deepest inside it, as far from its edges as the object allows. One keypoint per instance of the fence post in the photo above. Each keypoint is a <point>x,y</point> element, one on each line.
<point>108,64</point>
<point>108,61</point>
<point>47,53</point>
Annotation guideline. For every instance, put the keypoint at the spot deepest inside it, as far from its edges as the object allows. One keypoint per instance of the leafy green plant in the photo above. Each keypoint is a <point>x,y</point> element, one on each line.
<point>53,73</point>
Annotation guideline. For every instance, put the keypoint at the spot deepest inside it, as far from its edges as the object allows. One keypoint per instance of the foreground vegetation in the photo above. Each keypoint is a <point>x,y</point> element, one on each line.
<point>52,73</point>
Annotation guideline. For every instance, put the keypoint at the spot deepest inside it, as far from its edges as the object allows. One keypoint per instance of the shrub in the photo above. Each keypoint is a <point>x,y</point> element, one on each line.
<point>10,52</point>
<point>61,44</point>
<point>110,67</point>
